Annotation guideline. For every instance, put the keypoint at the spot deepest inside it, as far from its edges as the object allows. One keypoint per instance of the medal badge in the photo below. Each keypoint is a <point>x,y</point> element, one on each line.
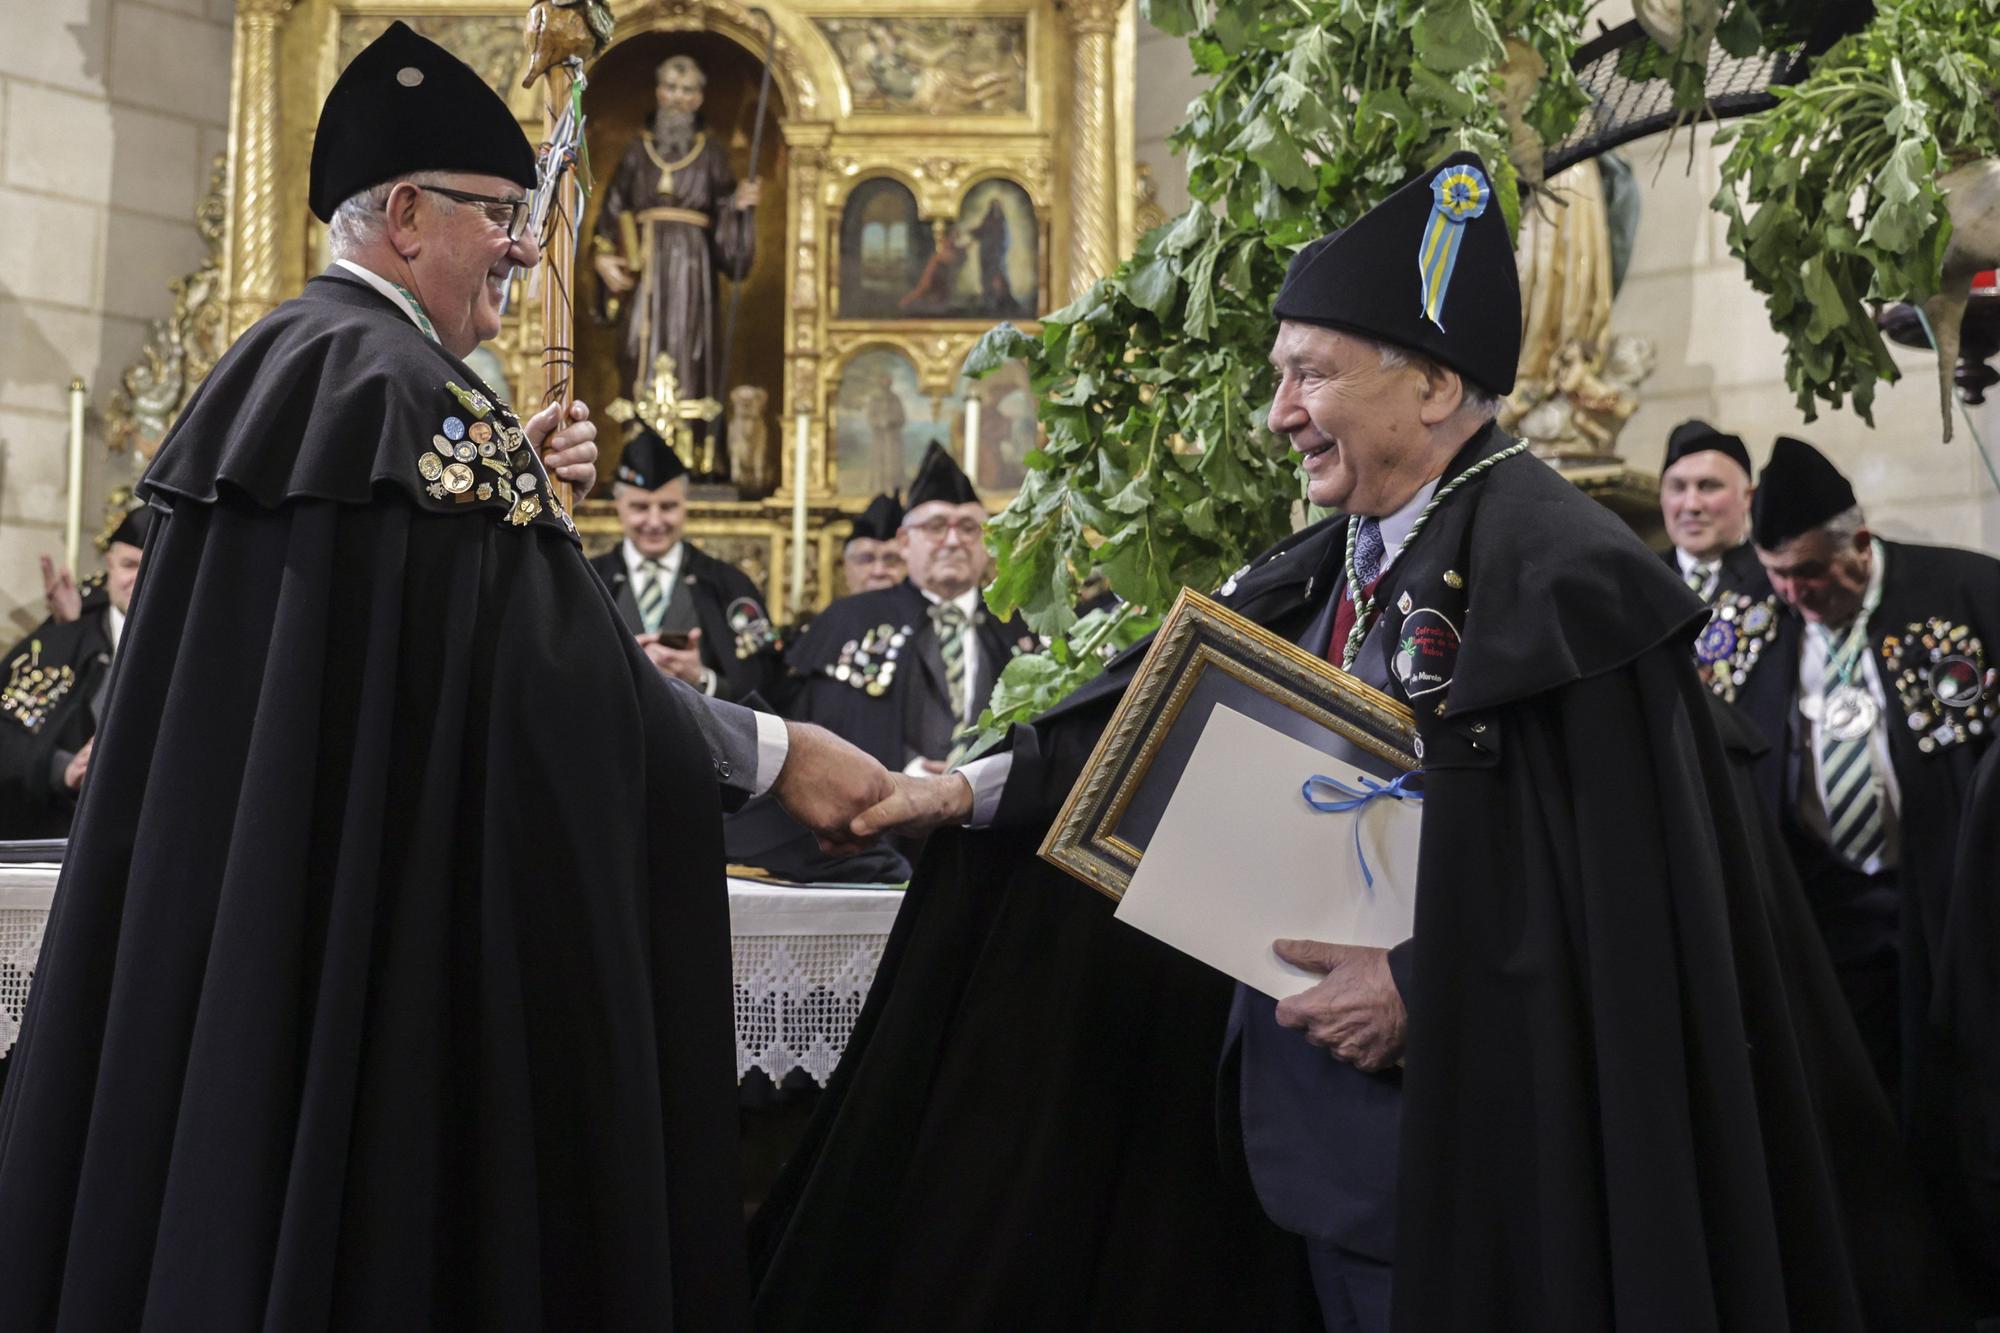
<point>1737,633</point>
<point>492,439</point>
<point>1948,693</point>
<point>33,689</point>
<point>1848,714</point>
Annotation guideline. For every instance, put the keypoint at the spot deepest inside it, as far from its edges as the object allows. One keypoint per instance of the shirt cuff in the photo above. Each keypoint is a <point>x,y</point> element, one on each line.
<point>773,744</point>
<point>708,682</point>
<point>988,779</point>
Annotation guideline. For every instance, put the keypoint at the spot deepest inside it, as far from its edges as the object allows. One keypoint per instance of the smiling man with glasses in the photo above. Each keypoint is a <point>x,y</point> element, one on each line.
<point>391,985</point>
<point>902,672</point>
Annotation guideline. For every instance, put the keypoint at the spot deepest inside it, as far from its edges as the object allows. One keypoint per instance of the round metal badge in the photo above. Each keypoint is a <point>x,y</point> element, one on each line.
<point>458,478</point>
<point>1757,619</point>
<point>1954,682</point>
<point>1717,642</point>
<point>465,453</point>
<point>454,429</point>
<point>480,432</point>
<point>1850,713</point>
<point>431,466</point>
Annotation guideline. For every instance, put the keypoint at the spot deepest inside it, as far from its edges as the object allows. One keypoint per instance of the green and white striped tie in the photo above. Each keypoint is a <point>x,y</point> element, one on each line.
<point>652,594</point>
<point>1849,785</point>
<point>950,623</point>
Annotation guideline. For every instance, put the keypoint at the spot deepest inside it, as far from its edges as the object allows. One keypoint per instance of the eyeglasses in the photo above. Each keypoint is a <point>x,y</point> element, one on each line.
<point>936,528</point>
<point>511,220</point>
<point>875,557</point>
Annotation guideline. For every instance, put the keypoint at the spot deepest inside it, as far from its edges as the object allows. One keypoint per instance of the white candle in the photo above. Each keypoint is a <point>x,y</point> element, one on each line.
<point>73,522</point>
<point>972,437</point>
<point>801,461</point>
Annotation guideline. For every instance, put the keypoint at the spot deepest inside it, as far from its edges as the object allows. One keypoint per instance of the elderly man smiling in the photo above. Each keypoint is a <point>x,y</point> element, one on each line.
<point>1604,1084</point>
<point>390,985</point>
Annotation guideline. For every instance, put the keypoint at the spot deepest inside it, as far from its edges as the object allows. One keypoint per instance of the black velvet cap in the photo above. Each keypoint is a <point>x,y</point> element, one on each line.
<point>1798,491</point>
<point>133,528</point>
<point>880,520</point>
<point>406,104</point>
<point>1693,436</point>
<point>1441,236</point>
<point>939,477</point>
<point>647,461</point>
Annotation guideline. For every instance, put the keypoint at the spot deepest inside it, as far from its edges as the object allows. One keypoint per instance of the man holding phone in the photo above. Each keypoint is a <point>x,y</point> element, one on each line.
<point>697,617</point>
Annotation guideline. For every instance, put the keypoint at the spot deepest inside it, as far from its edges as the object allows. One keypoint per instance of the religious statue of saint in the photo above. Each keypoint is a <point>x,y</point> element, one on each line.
<point>673,214</point>
<point>884,409</point>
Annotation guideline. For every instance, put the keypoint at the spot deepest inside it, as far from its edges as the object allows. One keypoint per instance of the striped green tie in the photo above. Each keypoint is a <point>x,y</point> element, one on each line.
<point>950,623</point>
<point>1848,782</point>
<point>652,594</point>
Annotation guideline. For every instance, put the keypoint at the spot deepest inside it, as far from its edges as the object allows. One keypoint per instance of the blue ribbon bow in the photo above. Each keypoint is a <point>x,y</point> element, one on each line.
<point>1356,801</point>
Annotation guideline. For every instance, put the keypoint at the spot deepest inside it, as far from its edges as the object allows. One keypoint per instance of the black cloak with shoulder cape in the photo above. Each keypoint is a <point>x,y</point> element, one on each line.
<point>1632,1097</point>
<point>350,1014</point>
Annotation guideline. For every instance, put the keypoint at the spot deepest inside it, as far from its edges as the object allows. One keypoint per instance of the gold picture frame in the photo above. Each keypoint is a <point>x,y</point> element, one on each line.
<point>1206,655</point>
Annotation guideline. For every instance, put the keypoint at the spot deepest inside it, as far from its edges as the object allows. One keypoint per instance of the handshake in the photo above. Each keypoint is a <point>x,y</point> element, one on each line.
<point>848,799</point>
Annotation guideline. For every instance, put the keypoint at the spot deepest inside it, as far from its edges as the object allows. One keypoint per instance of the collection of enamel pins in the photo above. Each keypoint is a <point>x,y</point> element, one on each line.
<point>492,439</point>
<point>33,689</point>
<point>1938,672</point>
<point>869,662</point>
<point>1735,638</point>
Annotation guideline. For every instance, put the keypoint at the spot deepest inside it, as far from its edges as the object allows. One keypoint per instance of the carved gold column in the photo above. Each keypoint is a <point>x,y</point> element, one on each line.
<point>1093,163</point>
<point>255,215</point>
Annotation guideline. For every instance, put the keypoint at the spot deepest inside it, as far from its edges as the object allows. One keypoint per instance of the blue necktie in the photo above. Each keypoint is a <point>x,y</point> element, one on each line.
<point>1368,550</point>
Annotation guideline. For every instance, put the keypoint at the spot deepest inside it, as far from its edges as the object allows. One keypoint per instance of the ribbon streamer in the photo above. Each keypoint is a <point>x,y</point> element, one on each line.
<point>1357,801</point>
<point>1458,195</point>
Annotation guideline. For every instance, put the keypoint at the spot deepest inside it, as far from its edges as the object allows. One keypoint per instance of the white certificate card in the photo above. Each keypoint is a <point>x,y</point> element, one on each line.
<point>1241,859</point>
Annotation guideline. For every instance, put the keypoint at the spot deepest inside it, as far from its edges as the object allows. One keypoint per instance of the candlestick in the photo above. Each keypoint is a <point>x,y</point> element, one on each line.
<point>801,461</point>
<point>972,437</point>
<point>73,519</point>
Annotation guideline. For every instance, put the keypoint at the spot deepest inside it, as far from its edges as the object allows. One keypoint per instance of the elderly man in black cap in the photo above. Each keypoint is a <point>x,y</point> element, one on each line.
<point>903,671</point>
<point>390,982</point>
<point>1705,495</point>
<point>1579,1097</point>
<point>699,619</point>
<point>54,693</point>
<point>872,558</point>
<point>1891,696</point>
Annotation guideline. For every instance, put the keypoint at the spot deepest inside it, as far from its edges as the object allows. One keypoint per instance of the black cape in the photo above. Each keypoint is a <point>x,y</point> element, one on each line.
<point>1631,1096</point>
<point>349,1014</point>
<point>1929,593</point>
<point>48,682</point>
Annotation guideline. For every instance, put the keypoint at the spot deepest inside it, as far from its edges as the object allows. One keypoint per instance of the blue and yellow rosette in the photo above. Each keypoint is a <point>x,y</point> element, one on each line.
<point>1458,195</point>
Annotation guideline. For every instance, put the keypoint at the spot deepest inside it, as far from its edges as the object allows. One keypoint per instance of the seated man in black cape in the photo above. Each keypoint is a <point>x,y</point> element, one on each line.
<point>388,981</point>
<point>53,695</point>
<point>1627,1097</point>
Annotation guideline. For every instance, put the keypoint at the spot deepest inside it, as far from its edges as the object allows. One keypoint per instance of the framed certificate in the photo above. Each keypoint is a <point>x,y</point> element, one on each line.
<point>1206,656</point>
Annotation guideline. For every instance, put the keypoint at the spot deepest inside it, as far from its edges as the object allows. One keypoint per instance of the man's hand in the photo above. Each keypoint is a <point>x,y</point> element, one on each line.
<point>826,783</point>
<point>916,806</point>
<point>749,194</point>
<point>570,453</point>
<point>1356,1013</point>
<point>65,603</point>
<point>614,273</point>
<point>79,765</point>
<point>683,662</point>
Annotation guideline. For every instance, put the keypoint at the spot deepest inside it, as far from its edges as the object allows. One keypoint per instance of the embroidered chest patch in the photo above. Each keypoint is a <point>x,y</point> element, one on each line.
<point>33,690</point>
<point>869,663</point>
<point>1735,637</point>
<point>480,455</point>
<point>1939,672</point>
<point>1426,653</point>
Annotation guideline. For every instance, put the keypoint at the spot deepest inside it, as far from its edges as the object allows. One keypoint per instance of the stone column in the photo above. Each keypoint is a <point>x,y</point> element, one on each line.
<point>256,218</point>
<point>1093,167</point>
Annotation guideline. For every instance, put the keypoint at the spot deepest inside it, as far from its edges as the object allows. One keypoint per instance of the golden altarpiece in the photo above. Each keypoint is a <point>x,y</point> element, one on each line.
<point>927,169</point>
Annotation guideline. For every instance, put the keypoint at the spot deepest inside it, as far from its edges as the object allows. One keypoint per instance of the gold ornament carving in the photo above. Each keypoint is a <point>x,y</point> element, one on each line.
<point>1091,216</point>
<point>490,43</point>
<point>1148,214</point>
<point>180,349</point>
<point>253,258</point>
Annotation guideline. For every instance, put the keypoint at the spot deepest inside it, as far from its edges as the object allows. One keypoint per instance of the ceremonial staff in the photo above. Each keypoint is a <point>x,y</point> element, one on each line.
<point>721,389</point>
<point>561,34</point>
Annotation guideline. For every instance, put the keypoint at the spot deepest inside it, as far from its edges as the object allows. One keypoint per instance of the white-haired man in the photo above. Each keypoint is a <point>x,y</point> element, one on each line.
<point>391,983</point>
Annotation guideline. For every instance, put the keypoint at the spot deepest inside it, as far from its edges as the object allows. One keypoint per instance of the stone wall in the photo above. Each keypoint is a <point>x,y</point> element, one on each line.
<point>1718,357</point>
<point>110,112</point>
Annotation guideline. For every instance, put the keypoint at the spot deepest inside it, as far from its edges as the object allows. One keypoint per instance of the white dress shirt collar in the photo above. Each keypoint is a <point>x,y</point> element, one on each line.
<point>389,289</point>
<point>670,563</point>
<point>1397,526</point>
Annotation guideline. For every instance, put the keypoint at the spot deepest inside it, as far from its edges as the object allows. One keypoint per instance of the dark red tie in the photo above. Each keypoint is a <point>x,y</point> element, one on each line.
<point>1343,620</point>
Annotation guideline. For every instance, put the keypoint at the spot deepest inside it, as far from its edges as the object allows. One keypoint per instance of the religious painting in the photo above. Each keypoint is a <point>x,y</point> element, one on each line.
<point>987,265</point>
<point>882,422</point>
<point>998,460</point>
<point>885,249</point>
<point>932,66</point>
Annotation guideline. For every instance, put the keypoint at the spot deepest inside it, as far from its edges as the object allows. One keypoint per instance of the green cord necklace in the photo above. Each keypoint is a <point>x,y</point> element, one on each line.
<point>1364,605</point>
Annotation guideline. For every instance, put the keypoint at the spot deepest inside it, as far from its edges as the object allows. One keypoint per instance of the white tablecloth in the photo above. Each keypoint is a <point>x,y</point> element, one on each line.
<point>803,957</point>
